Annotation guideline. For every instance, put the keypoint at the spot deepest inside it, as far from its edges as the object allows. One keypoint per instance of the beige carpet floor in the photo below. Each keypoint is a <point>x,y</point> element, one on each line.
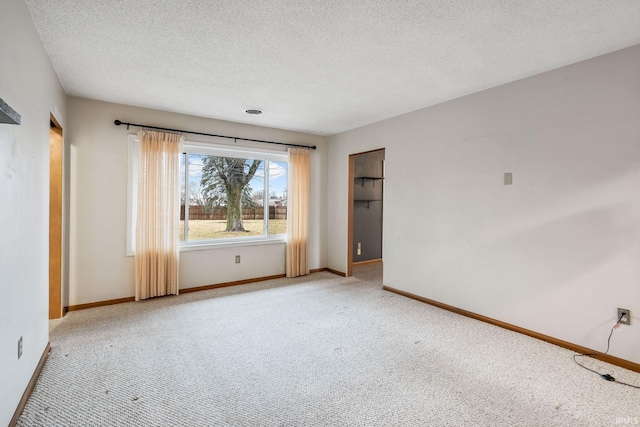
<point>316,351</point>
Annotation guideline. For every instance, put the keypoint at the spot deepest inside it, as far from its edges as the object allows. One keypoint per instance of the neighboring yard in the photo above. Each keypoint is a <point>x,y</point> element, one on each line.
<point>214,229</point>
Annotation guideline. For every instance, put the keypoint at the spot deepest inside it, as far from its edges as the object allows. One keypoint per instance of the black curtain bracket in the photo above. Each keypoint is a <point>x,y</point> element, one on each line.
<point>235,138</point>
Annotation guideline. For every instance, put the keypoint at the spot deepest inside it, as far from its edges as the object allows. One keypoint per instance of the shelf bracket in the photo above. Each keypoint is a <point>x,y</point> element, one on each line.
<point>9,115</point>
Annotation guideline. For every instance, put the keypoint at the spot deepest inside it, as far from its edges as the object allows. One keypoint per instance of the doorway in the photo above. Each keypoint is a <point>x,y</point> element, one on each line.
<point>55,219</point>
<point>366,197</point>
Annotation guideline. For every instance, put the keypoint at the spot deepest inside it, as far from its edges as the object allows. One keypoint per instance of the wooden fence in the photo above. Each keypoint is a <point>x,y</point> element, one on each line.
<point>220,213</point>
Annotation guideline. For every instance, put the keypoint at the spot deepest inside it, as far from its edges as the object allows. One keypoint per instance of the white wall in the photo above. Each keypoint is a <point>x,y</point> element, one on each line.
<point>30,86</point>
<point>99,269</point>
<point>559,250</point>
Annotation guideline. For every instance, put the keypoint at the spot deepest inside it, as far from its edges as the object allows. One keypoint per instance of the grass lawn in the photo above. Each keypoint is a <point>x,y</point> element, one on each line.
<point>214,229</point>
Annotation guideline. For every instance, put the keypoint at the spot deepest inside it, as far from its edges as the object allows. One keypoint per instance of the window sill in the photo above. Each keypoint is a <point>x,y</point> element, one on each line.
<point>228,244</point>
<point>232,244</point>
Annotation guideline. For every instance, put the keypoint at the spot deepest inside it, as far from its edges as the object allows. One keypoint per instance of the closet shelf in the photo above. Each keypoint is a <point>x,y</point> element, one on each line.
<point>368,178</point>
<point>367,201</point>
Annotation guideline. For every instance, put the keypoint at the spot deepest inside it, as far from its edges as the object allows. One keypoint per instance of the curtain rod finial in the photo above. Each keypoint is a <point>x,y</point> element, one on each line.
<point>117,122</point>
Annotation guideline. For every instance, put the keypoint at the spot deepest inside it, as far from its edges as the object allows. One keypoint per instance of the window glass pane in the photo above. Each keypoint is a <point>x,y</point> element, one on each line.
<point>252,210</point>
<point>221,197</point>
<point>277,197</point>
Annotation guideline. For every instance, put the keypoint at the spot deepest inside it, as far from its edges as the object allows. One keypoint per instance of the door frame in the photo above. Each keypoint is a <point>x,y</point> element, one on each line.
<point>352,158</point>
<point>56,224</point>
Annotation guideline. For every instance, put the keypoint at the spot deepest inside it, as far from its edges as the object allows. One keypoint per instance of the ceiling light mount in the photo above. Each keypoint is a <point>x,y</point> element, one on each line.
<point>253,111</point>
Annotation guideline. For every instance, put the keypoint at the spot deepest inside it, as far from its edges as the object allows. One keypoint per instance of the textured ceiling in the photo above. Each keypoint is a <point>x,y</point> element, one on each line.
<point>321,66</point>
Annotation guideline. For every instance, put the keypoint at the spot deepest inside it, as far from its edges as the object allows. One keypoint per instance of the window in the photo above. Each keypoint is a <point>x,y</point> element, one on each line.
<point>227,195</point>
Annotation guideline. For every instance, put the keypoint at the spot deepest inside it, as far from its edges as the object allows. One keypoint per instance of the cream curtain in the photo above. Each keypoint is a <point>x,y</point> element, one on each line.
<point>158,216</point>
<point>298,195</point>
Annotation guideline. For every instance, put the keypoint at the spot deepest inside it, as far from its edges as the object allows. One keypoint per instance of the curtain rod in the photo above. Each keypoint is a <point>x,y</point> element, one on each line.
<point>118,123</point>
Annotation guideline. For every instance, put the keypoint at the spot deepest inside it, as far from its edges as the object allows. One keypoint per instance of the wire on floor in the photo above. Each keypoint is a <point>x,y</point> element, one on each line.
<point>604,376</point>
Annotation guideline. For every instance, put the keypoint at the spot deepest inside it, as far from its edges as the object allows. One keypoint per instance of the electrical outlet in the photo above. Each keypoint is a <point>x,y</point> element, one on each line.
<point>237,259</point>
<point>20,348</point>
<point>625,316</point>
<point>359,250</point>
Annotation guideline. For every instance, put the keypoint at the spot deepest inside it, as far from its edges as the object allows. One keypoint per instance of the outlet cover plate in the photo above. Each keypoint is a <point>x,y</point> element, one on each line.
<point>626,321</point>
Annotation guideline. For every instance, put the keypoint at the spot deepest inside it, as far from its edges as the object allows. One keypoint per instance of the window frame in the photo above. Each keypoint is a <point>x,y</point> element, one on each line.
<point>209,149</point>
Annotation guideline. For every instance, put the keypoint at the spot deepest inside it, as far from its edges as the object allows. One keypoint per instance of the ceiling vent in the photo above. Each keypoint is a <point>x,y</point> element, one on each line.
<point>253,112</point>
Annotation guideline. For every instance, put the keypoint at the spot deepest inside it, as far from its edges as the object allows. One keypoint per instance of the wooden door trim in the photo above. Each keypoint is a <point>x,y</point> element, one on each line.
<point>350,218</point>
<point>55,218</point>
<point>352,158</point>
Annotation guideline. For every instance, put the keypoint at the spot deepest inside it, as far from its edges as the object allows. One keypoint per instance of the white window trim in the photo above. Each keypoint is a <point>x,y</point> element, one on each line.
<point>197,148</point>
<point>132,194</point>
